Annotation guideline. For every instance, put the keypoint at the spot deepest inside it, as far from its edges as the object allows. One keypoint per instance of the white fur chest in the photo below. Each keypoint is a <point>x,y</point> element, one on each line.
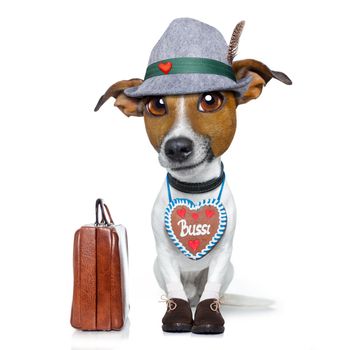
<point>166,246</point>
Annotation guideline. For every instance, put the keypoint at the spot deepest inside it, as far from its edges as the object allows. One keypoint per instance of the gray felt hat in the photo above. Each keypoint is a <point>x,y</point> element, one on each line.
<point>190,57</point>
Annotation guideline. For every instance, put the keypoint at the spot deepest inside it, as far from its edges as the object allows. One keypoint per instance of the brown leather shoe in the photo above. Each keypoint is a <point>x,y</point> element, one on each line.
<point>178,317</point>
<point>208,319</point>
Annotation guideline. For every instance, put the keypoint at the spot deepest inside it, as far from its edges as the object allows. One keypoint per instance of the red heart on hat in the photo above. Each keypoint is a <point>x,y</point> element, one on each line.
<point>165,67</point>
<point>193,244</point>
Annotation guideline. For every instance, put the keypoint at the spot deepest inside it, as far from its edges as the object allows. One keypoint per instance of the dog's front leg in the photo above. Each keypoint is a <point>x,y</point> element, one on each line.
<point>167,273</point>
<point>220,273</point>
<point>178,317</point>
<point>208,318</point>
<point>166,267</point>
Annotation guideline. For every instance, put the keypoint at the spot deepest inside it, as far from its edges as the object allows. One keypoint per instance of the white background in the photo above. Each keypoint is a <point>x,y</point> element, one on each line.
<point>288,168</point>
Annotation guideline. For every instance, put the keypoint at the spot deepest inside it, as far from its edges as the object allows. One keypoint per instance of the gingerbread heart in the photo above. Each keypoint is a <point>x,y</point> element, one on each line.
<point>195,229</point>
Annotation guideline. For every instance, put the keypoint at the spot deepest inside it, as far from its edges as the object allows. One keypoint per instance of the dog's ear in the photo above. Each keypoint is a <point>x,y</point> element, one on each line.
<point>260,75</point>
<point>128,105</point>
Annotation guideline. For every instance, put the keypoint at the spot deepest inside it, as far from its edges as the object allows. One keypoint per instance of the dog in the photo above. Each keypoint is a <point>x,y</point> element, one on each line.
<point>188,99</point>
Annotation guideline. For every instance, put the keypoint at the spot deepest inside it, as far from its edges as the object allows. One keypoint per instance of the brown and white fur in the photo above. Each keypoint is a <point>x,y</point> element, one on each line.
<point>211,134</point>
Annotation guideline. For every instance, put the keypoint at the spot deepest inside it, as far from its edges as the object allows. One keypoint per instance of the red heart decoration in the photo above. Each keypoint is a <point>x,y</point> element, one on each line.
<point>195,216</point>
<point>165,67</point>
<point>209,213</point>
<point>193,244</point>
<point>181,212</point>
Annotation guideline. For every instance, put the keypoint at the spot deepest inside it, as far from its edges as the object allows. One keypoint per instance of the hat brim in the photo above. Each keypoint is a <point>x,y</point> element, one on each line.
<point>180,84</point>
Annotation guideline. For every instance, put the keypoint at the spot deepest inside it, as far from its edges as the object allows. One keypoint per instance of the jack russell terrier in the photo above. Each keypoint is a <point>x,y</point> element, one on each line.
<point>188,98</point>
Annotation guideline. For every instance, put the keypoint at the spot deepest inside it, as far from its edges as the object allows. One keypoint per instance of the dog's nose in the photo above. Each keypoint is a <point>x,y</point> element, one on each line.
<point>178,149</point>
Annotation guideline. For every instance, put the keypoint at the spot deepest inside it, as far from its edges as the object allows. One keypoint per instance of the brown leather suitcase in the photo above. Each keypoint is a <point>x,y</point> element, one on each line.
<point>100,263</point>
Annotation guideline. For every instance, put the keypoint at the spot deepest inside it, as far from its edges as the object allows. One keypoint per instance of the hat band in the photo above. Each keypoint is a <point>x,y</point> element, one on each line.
<point>188,65</point>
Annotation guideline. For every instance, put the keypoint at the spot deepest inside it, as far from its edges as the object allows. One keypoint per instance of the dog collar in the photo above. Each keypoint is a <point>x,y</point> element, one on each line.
<point>197,187</point>
<point>185,65</point>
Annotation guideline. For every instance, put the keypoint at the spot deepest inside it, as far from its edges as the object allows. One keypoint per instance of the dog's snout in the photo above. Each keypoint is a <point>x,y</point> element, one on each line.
<point>178,149</point>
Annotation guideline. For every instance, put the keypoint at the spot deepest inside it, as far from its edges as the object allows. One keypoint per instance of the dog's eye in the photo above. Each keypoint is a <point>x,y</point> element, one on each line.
<point>156,106</point>
<point>210,102</point>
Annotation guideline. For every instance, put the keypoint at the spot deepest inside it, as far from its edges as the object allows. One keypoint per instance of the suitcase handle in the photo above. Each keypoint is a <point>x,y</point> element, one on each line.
<point>101,207</point>
<point>109,214</point>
